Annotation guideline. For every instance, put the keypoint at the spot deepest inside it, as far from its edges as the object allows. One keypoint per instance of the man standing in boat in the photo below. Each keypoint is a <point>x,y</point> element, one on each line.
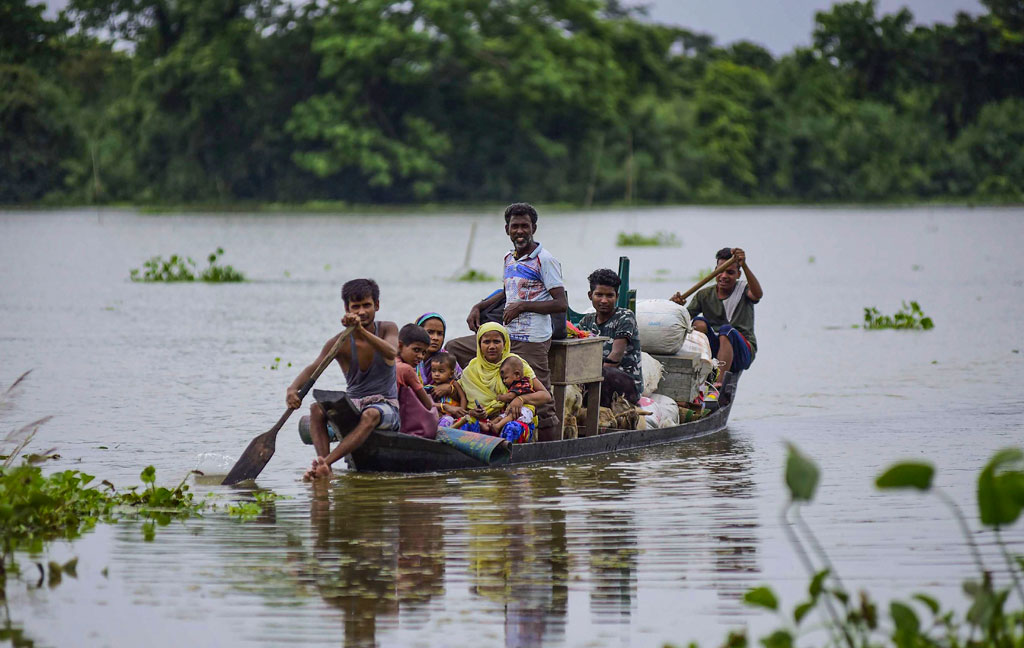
<point>533,293</point>
<point>368,361</point>
<point>724,313</point>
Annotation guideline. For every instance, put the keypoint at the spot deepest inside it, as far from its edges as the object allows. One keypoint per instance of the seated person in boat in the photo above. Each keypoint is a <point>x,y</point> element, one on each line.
<point>521,429</point>
<point>725,313</point>
<point>622,370</point>
<point>481,380</point>
<point>413,342</point>
<point>368,361</point>
<point>436,328</point>
<point>451,403</point>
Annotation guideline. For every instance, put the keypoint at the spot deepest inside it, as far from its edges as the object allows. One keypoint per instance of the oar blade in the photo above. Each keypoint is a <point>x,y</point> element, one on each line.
<point>254,459</point>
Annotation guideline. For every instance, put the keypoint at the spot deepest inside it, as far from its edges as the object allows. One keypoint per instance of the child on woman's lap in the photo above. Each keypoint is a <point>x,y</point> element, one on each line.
<point>452,404</point>
<point>521,428</point>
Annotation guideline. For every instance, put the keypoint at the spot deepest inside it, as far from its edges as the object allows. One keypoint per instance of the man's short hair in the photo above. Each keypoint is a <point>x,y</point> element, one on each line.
<point>724,254</point>
<point>445,358</point>
<point>512,362</point>
<point>520,209</point>
<point>357,289</point>
<point>411,334</point>
<point>604,277</point>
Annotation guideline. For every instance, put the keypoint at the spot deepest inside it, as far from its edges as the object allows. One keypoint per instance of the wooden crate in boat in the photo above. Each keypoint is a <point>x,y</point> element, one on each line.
<point>683,375</point>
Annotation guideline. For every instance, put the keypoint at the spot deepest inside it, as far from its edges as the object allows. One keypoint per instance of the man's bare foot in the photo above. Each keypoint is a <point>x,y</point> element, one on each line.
<point>319,469</point>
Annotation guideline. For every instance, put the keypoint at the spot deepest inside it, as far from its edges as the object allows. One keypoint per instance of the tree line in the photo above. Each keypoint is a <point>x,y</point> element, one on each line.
<point>575,101</point>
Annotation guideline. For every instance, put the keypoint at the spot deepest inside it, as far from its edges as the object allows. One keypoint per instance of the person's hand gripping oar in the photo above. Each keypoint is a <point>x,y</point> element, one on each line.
<point>261,449</point>
<point>680,298</point>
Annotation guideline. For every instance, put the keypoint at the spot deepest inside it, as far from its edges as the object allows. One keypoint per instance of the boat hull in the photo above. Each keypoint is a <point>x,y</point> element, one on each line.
<point>392,452</point>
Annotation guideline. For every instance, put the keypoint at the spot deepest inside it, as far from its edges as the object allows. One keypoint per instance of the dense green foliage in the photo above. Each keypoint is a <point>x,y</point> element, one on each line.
<point>577,101</point>
<point>994,617</point>
<point>178,268</point>
<point>36,509</point>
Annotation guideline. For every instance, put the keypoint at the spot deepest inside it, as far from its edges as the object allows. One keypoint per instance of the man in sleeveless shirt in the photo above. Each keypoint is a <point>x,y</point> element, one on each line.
<point>368,361</point>
<point>724,313</point>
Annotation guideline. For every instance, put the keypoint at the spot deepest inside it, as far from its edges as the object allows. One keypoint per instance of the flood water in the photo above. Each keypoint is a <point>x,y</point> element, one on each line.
<point>634,549</point>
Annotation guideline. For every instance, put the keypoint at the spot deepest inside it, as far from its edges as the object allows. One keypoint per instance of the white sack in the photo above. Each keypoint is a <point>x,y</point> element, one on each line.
<point>663,325</point>
<point>652,371</point>
<point>696,342</point>
<point>667,410</point>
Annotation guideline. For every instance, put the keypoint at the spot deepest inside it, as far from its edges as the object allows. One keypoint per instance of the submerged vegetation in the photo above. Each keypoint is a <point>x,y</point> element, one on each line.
<point>909,317</point>
<point>568,101</point>
<point>994,616</point>
<point>658,239</point>
<point>179,268</point>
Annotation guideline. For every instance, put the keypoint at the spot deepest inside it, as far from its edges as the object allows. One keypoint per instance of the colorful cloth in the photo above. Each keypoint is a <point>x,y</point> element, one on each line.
<point>519,432</point>
<point>531,278</point>
<point>621,325</point>
<point>423,368</point>
<point>481,380</point>
<point>522,386</point>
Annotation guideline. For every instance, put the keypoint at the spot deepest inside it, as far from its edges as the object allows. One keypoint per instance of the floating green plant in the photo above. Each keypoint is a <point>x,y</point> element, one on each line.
<point>276,364</point>
<point>658,239</point>
<point>909,317</point>
<point>700,274</point>
<point>179,268</point>
<point>36,509</point>
<point>475,275</point>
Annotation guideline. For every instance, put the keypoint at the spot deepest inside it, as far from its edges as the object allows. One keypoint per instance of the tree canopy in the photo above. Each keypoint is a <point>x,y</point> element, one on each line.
<point>577,101</point>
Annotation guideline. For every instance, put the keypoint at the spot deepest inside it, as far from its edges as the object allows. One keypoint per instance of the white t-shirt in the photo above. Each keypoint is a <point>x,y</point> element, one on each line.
<point>531,278</point>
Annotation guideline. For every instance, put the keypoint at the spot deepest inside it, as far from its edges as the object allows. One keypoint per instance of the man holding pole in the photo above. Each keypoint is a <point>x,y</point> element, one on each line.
<point>724,312</point>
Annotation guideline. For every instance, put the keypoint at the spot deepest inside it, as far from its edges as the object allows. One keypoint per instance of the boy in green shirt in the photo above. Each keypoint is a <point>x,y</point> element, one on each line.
<point>724,313</point>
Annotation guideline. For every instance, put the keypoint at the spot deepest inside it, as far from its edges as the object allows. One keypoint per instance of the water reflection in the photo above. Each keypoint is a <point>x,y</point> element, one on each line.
<point>518,553</point>
<point>377,551</point>
<point>488,558</point>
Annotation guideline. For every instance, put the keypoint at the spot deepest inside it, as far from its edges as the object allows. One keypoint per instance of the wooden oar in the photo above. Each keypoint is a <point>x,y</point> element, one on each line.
<point>261,449</point>
<point>719,270</point>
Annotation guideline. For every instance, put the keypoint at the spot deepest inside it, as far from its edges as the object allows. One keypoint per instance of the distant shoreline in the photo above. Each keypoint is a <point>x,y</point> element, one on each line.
<point>341,207</point>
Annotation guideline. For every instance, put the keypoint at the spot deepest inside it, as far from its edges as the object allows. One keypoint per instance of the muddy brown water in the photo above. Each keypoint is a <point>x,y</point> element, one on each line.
<point>634,549</point>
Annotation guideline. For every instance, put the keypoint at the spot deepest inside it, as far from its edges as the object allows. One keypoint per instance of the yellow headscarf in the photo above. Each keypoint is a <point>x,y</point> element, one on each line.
<point>481,380</point>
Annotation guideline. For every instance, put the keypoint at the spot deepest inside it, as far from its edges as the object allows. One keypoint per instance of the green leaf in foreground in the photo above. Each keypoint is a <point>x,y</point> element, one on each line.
<point>908,474</point>
<point>762,597</point>
<point>932,604</point>
<point>801,475</point>
<point>778,639</point>
<point>1001,488</point>
<point>905,619</point>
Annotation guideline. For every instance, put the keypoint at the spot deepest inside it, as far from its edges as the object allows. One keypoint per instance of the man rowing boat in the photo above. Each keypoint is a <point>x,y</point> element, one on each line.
<point>369,365</point>
<point>725,313</point>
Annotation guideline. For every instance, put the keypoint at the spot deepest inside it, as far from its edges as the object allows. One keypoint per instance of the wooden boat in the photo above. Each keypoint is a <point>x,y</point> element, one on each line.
<point>576,362</point>
<point>401,453</point>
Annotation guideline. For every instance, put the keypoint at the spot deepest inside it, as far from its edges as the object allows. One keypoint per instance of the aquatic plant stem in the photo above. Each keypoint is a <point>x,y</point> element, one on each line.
<point>963,527</point>
<point>820,550</point>
<point>1009,564</point>
<point>801,553</point>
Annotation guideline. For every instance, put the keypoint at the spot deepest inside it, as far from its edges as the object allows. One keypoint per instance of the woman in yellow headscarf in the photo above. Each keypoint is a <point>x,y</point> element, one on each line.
<point>481,380</point>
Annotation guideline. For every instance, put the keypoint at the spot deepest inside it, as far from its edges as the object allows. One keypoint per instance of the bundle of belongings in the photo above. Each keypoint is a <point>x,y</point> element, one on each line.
<point>677,366</point>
